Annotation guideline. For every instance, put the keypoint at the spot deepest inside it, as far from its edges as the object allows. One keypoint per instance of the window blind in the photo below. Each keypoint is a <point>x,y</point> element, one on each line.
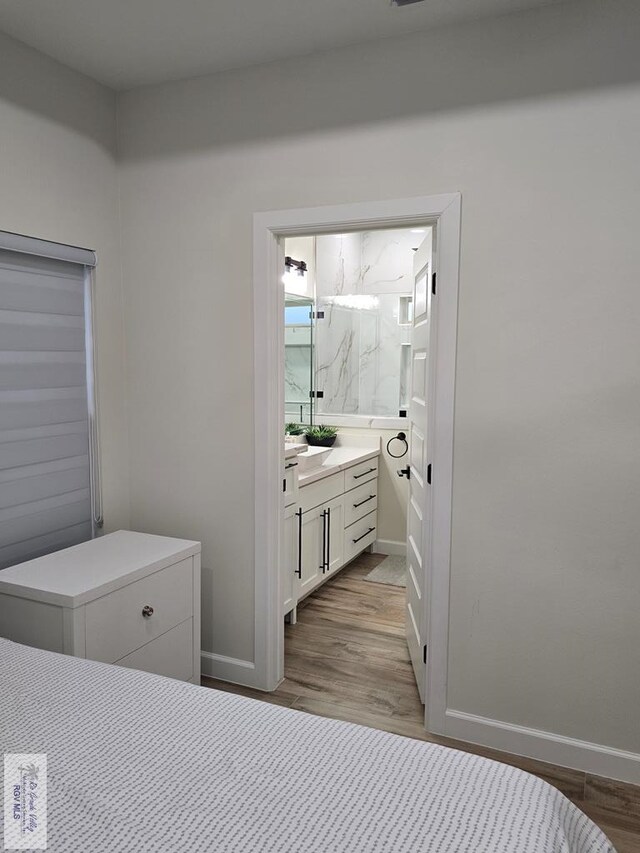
<point>46,398</point>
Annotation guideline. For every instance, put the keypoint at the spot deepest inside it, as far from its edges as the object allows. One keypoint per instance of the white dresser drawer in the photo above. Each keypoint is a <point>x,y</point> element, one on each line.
<point>360,535</point>
<point>360,474</point>
<point>171,654</point>
<point>115,626</point>
<point>360,502</point>
<point>321,491</point>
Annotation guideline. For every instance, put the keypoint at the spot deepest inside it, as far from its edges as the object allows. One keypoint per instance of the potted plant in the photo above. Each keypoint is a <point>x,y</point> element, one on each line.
<point>321,436</point>
<point>293,429</point>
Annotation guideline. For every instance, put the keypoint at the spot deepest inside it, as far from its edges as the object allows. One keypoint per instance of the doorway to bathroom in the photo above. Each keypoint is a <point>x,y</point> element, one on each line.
<point>355,351</point>
<point>350,366</point>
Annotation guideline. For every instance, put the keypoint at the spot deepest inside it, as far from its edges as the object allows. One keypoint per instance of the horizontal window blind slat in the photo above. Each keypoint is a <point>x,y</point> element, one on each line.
<point>42,395</point>
<point>23,529</point>
<point>37,546</point>
<point>48,431</point>
<point>31,489</point>
<point>33,318</point>
<point>43,505</point>
<point>19,453</point>
<point>26,471</point>
<point>41,413</point>
<point>41,299</point>
<point>38,357</point>
<point>35,338</point>
<point>31,265</point>
<point>42,375</point>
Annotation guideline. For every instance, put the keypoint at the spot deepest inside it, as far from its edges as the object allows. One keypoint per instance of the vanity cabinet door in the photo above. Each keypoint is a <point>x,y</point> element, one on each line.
<point>313,526</point>
<point>289,560</point>
<point>335,534</point>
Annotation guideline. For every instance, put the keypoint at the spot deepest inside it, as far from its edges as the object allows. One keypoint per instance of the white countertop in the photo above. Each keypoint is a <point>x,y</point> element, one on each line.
<point>292,448</point>
<point>84,572</point>
<point>337,459</point>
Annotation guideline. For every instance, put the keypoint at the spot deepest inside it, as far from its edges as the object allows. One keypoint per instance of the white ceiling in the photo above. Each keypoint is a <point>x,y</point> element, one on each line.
<point>125,43</point>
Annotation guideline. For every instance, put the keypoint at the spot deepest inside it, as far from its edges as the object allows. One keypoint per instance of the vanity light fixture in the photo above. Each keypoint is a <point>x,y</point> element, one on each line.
<point>294,275</point>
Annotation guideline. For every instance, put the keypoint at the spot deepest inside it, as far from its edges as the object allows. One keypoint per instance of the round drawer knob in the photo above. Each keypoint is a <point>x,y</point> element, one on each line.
<point>147,611</point>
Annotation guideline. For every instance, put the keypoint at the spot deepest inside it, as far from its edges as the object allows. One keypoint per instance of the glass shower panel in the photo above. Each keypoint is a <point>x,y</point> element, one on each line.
<point>361,350</point>
<point>298,360</point>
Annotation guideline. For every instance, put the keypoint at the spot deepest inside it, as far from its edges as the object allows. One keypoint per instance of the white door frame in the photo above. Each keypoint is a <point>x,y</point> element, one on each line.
<point>443,212</point>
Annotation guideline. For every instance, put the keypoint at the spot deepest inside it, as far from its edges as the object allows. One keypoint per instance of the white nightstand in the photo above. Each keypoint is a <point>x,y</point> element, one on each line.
<point>126,598</point>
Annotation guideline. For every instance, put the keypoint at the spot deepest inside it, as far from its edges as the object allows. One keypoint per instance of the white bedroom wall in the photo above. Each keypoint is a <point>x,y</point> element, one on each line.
<point>535,119</point>
<point>59,181</point>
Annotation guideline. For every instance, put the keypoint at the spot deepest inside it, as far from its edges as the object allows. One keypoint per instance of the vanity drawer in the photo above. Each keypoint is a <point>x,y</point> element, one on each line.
<point>360,474</point>
<point>114,624</point>
<point>171,654</point>
<point>290,482</point>
<point>360,535</point>
<point>321,491</point>
<point>360,501</point>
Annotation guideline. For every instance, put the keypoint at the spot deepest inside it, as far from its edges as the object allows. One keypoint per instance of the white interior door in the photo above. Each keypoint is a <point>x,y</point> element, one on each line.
<point>419,469</point>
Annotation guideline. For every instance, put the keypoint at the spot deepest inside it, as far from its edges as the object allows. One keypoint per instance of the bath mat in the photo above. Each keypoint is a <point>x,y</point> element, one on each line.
<point>392,571</point>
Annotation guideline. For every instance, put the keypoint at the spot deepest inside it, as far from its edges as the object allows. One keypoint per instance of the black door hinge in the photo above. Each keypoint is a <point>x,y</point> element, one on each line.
<point>316,394</point>
<point>429,473</point>
<point>318,315</point>
<point>424,654</point>
<point>433,283</point>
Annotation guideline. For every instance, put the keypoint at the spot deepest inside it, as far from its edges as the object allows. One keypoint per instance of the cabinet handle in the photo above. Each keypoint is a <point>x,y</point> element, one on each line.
<point>324,541</point>
<point>364,473</point>
<point>290,465</point>
<point>299,569</point>
<point>370,530</point>
<point>328,538</point>
<point>370,498</point>
<point>147,611</point>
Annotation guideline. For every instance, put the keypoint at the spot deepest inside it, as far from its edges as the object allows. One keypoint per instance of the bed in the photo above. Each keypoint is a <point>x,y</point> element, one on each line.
<point>138,762</point>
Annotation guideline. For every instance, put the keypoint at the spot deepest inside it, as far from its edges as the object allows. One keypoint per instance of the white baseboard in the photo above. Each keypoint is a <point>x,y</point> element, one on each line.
<point>545,746</point>
<point>235,670</point>
<point>390,547</point>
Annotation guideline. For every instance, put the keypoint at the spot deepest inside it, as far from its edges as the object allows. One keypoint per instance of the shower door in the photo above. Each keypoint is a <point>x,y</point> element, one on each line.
<point>298,360</point>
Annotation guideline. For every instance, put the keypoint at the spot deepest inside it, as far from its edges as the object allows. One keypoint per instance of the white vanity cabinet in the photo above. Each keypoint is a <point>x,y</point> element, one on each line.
<point>127,598</point>
<point>327,522</point>
<point>322,536</point>
<point>290,559</point>
<point>290,566</point>
<point>335,521</point>
<point>312,526</point>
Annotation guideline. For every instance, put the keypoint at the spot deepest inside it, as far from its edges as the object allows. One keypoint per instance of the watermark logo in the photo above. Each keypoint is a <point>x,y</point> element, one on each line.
<point>25,801</point>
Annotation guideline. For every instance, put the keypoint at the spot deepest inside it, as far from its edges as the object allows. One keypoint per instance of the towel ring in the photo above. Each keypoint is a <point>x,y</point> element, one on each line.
<point>401,436</point>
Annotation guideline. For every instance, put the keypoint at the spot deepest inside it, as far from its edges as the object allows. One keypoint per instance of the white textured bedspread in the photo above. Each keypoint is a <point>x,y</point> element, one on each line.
<point>142,763</point>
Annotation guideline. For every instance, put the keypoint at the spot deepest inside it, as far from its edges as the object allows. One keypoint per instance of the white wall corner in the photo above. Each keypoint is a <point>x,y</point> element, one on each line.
<point>391,547</point>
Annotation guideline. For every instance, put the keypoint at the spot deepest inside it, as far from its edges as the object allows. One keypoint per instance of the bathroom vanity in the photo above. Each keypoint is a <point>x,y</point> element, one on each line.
<point>331,499</point>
